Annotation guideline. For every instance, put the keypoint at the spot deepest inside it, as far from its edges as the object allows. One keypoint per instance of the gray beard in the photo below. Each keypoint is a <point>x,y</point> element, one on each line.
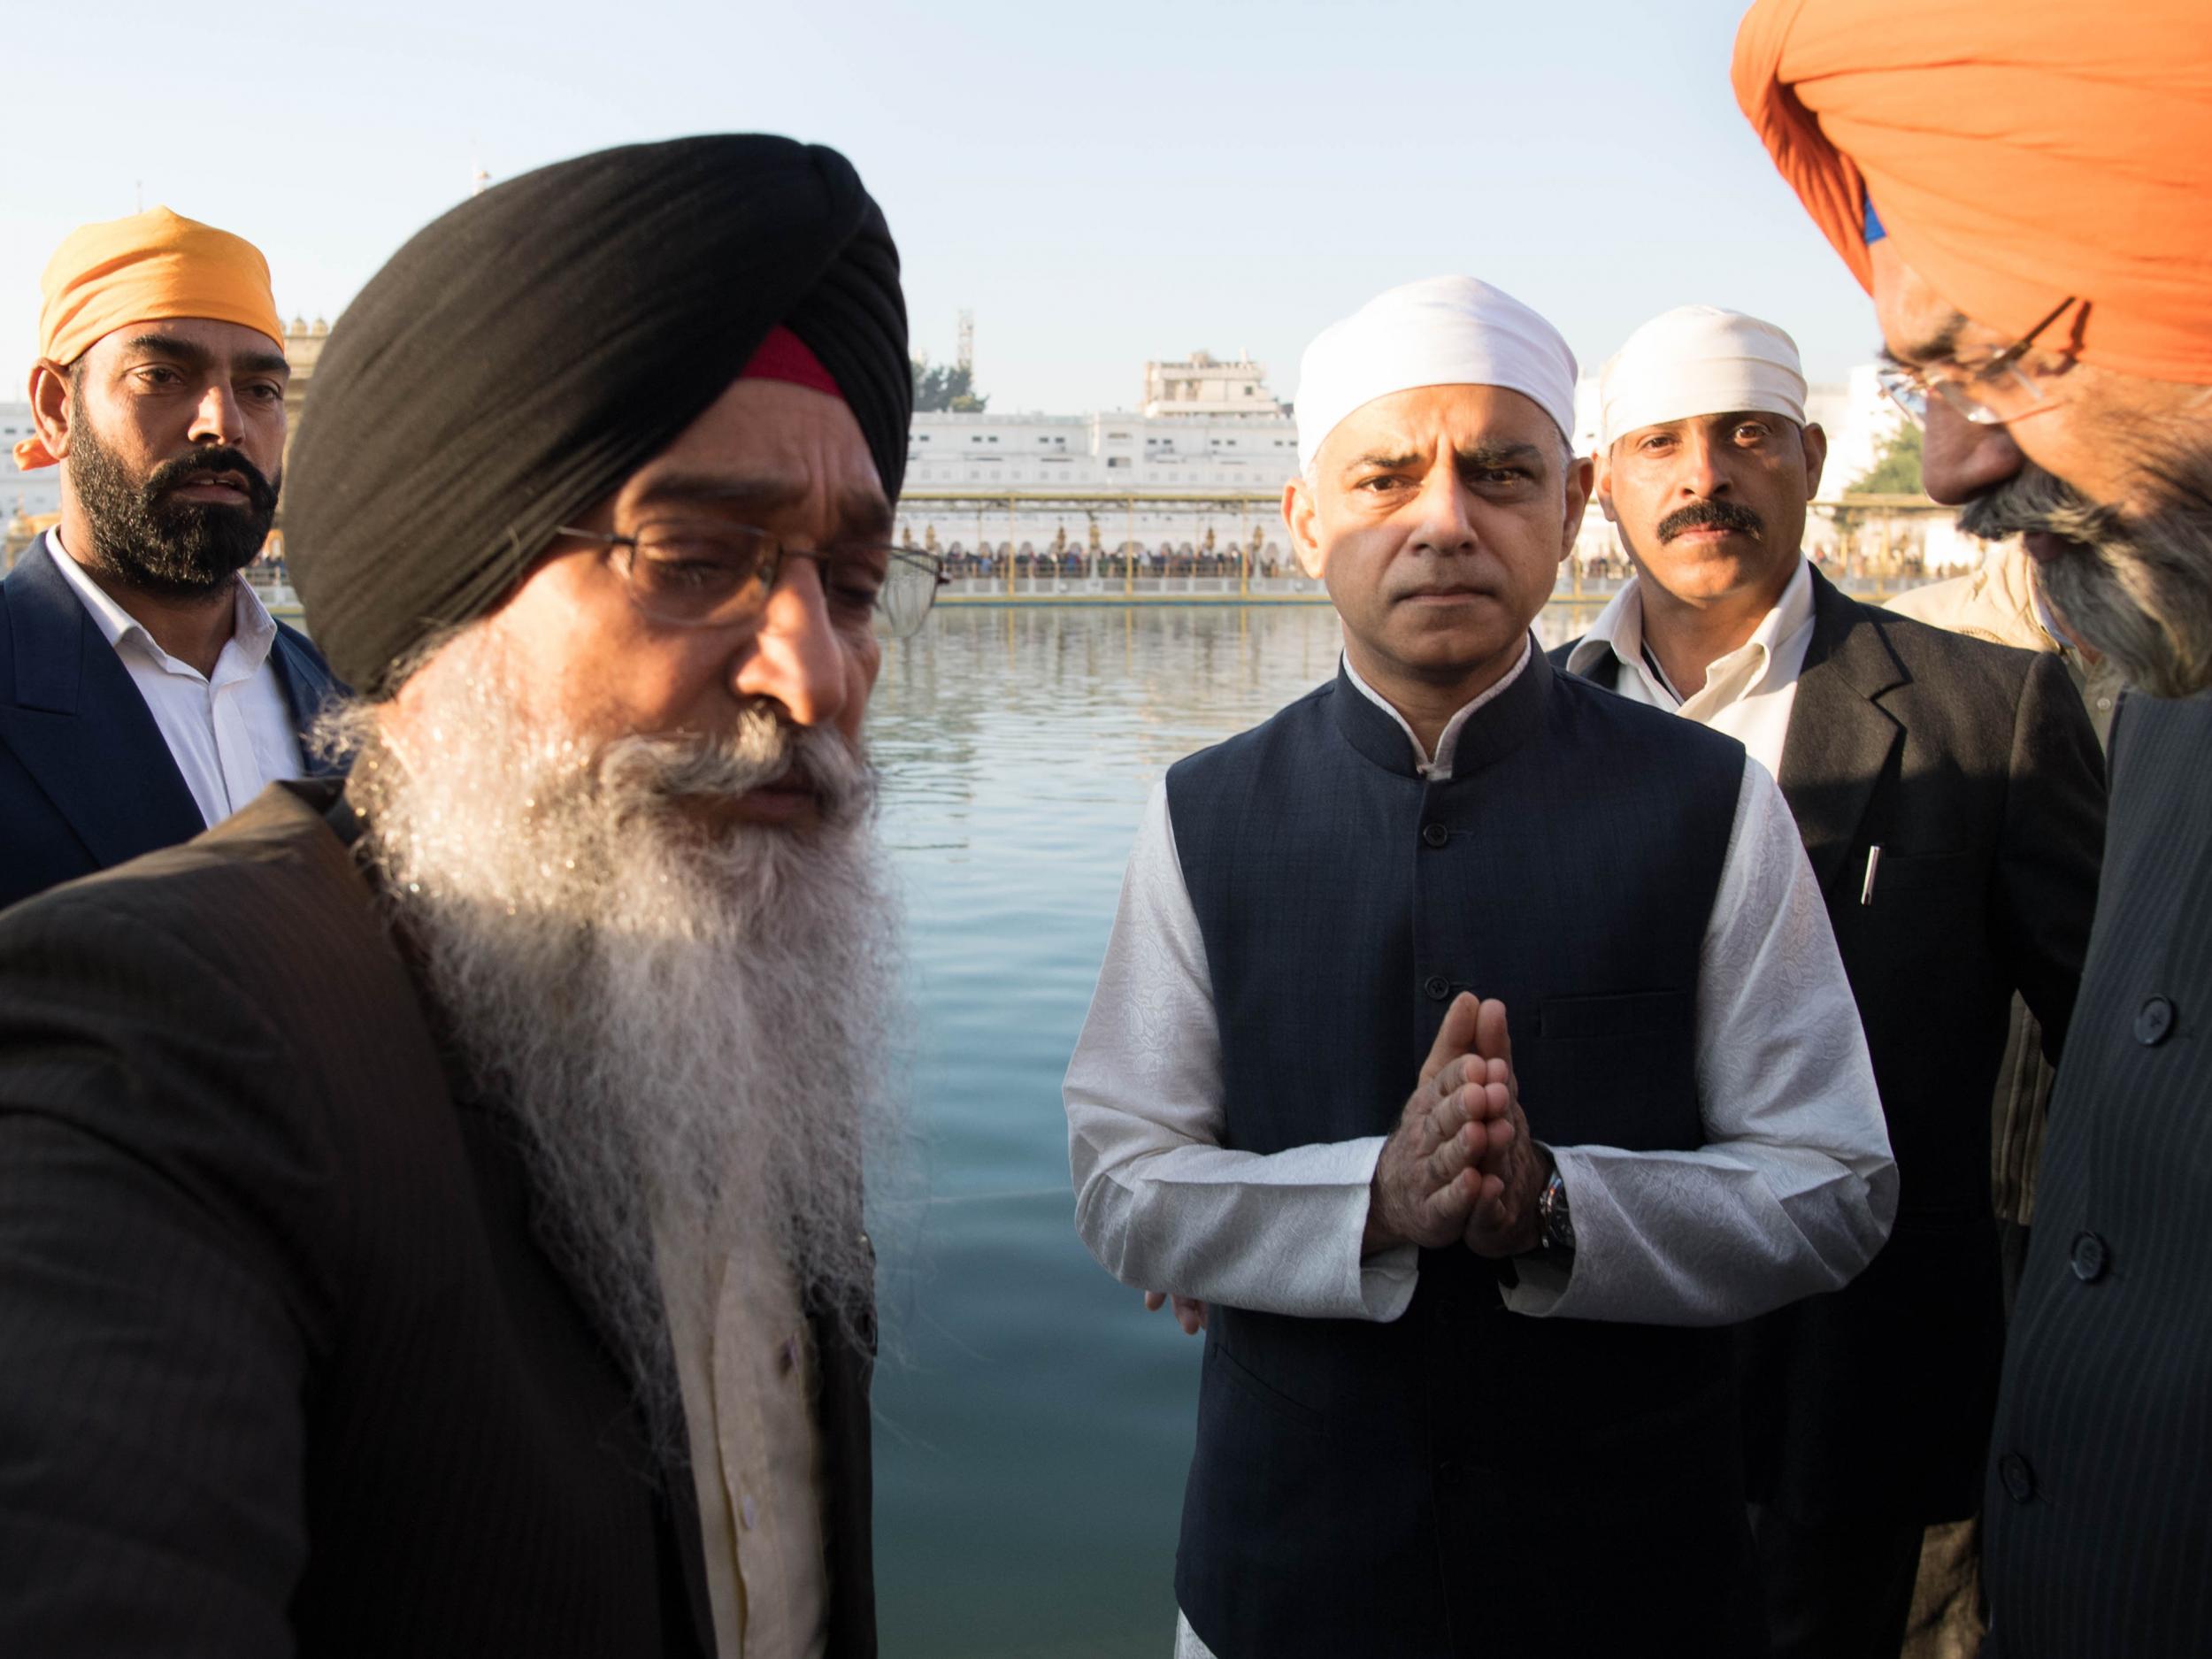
<point>2136,588</point>
<point>690,1027</point>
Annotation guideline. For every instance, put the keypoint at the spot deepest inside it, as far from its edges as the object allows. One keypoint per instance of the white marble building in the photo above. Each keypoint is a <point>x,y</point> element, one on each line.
<point>1209,448</point>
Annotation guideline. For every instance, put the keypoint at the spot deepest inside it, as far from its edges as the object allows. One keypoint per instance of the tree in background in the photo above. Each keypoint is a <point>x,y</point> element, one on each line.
<point>940,389</point>
<point>1896,471</point>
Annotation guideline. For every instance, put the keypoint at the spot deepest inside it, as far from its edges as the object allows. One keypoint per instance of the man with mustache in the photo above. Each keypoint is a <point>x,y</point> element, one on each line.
<point>1949,794</point>
<point>431,1202</point>
<point>2025,199</point>
<point>1472,1044</point>
<point>145,693</point>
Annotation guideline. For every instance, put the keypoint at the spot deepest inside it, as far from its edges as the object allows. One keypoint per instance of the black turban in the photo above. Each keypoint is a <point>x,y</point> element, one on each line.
<point>523,355</point>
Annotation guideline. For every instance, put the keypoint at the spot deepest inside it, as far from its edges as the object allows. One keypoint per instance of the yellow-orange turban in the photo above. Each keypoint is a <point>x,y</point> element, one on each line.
<point>2017,152</point>
<point>150,266</point>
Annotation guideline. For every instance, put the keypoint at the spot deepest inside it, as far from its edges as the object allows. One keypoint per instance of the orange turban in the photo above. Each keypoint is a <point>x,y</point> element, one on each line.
<point>2017,152</point>
<point>142,269</point>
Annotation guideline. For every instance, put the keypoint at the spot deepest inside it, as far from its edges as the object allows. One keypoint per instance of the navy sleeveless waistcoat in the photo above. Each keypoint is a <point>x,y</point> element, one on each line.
<point>1462,1480</point>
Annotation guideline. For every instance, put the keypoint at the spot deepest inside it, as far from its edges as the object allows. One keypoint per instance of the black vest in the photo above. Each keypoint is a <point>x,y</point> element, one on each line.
<point>1463,1479</point>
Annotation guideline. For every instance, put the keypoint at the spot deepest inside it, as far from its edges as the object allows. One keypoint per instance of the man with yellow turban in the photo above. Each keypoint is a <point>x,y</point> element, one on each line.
<point>145,693</point>
<point>2026,192</point>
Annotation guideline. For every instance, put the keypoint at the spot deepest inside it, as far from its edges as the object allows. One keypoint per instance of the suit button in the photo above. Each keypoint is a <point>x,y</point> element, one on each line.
<point>1435,834</point>
<point>2091,1258</point>
<point>1436,988</point>
<point>2018,1479</point>
<point>2153,1021</point>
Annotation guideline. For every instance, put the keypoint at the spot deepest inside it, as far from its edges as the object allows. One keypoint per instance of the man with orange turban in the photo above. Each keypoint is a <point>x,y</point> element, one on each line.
<point>145,693</point>
<point>2026,191</point>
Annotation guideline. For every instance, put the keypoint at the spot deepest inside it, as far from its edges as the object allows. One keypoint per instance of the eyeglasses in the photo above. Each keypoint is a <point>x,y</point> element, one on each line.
<point>1989,393</point>
<point>693,575</point>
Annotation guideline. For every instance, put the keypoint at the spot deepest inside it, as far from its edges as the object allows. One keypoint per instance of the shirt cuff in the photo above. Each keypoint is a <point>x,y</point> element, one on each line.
<point>1545,1286</point>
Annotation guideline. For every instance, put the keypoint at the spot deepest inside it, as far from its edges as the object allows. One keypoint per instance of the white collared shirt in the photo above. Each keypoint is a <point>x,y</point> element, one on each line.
<point>1748,693</point>
<point>1791,1194</point>
<point>230,733</point>
<point>750,1386</point>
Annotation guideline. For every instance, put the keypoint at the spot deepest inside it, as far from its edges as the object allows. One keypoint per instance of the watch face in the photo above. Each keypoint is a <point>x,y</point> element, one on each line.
<point>1551,1214</point>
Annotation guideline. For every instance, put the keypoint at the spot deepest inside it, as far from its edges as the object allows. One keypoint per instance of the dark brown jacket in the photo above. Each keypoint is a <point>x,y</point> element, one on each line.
<point>281,1367</point>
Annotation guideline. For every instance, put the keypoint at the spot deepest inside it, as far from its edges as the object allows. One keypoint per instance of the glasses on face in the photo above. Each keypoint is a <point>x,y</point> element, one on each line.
<point>1989,393</point>
<point>694,575</point>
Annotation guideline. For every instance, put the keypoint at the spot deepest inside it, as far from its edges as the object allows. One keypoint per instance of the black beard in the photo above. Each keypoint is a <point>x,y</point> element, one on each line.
<point>171,548</point>
<point>2136,588</point>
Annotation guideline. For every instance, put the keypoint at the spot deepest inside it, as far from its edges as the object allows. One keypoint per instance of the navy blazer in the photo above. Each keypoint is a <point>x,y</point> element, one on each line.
<point>86,779</point>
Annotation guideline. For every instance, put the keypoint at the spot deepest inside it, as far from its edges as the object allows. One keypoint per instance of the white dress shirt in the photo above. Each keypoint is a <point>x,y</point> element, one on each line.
<point>748,1390</point>
<point>230,733</point>
<point>1792,1193</point>
<point>1748,693</point>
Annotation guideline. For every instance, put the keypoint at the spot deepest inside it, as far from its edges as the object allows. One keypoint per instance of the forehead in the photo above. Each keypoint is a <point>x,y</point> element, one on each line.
<point>1716,417</point>
<point>1919,325</point>
<point>199,336</point>
<point>1415,421</point>
<point>779,446</point>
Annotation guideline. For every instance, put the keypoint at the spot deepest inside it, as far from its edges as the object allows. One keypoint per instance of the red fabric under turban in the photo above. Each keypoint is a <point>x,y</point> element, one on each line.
<point>2017,152</point>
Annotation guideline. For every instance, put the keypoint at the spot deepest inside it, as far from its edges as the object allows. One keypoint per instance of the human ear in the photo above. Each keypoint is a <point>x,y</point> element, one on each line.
<point>1305,534</point>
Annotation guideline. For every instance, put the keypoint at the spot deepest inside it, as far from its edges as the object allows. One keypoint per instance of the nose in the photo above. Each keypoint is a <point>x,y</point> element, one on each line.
<point>218,418</point>
<point>1959,460</point>
<point>1444,524</point>
<point>797,656</point>
<point>1703,476</point>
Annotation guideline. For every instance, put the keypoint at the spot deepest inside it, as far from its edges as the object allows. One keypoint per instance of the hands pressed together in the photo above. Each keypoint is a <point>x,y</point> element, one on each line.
<point>1459,1166</point>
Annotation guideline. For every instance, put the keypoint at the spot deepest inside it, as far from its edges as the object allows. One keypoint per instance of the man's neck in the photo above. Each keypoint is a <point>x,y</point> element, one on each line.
<point>193,628</point>
<point>1688,636</point>
<point>1428,705</point>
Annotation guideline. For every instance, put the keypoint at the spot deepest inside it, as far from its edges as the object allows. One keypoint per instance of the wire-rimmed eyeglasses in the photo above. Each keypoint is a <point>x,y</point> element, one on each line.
<point>694,575</point>
<point>1989,393</point>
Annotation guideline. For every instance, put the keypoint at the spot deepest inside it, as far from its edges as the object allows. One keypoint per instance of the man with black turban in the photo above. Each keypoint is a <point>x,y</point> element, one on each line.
<point>432,1203</point>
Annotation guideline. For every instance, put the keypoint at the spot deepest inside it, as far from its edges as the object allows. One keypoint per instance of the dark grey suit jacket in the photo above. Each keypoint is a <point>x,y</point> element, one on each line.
<point>85,779</point>
<point>282,1367</point>
<point>2097,1540</point>
<point>1973,767</point>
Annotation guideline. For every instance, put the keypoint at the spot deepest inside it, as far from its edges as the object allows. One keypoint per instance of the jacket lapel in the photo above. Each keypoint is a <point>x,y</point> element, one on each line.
<point>1842,744</point>
<point>308,686</point>
<point>80,727</point>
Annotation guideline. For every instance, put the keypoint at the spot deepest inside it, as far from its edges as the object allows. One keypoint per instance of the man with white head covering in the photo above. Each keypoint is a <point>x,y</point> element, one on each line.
<point>1471,1045</point>
<point>1948,793</point>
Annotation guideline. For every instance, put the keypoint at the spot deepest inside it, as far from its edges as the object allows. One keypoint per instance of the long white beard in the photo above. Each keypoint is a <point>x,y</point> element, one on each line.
<point>691,1027</point>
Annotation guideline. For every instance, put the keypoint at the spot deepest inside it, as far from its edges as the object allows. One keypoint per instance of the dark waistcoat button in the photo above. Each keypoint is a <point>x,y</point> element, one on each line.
<point>1435,834</point>
<point>2153,1021</point>
<point>2091,1258</point>
<point>1437,987</point>
<point>2018,1477</point>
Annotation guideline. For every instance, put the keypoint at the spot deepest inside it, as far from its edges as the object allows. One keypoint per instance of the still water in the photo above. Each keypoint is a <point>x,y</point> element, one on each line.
<point>1033,1421</point>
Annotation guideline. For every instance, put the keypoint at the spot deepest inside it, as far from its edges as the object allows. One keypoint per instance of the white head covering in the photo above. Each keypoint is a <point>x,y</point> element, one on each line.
<point>1699,360</point>
<point>1446,331</point>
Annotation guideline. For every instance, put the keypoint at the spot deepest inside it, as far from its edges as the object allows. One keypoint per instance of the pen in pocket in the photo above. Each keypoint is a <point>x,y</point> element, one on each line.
<point>1866,888</point>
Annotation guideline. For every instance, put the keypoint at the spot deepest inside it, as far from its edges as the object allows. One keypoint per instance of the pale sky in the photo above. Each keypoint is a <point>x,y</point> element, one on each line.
<point>1100,184</point>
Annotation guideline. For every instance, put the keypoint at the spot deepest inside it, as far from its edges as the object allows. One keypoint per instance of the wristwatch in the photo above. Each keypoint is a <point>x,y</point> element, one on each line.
<point>1554,1227</point>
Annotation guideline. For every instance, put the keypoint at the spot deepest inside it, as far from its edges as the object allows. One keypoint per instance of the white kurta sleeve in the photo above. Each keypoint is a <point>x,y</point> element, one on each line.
<point>1794,1190</point>
<point>1158,1200</point>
